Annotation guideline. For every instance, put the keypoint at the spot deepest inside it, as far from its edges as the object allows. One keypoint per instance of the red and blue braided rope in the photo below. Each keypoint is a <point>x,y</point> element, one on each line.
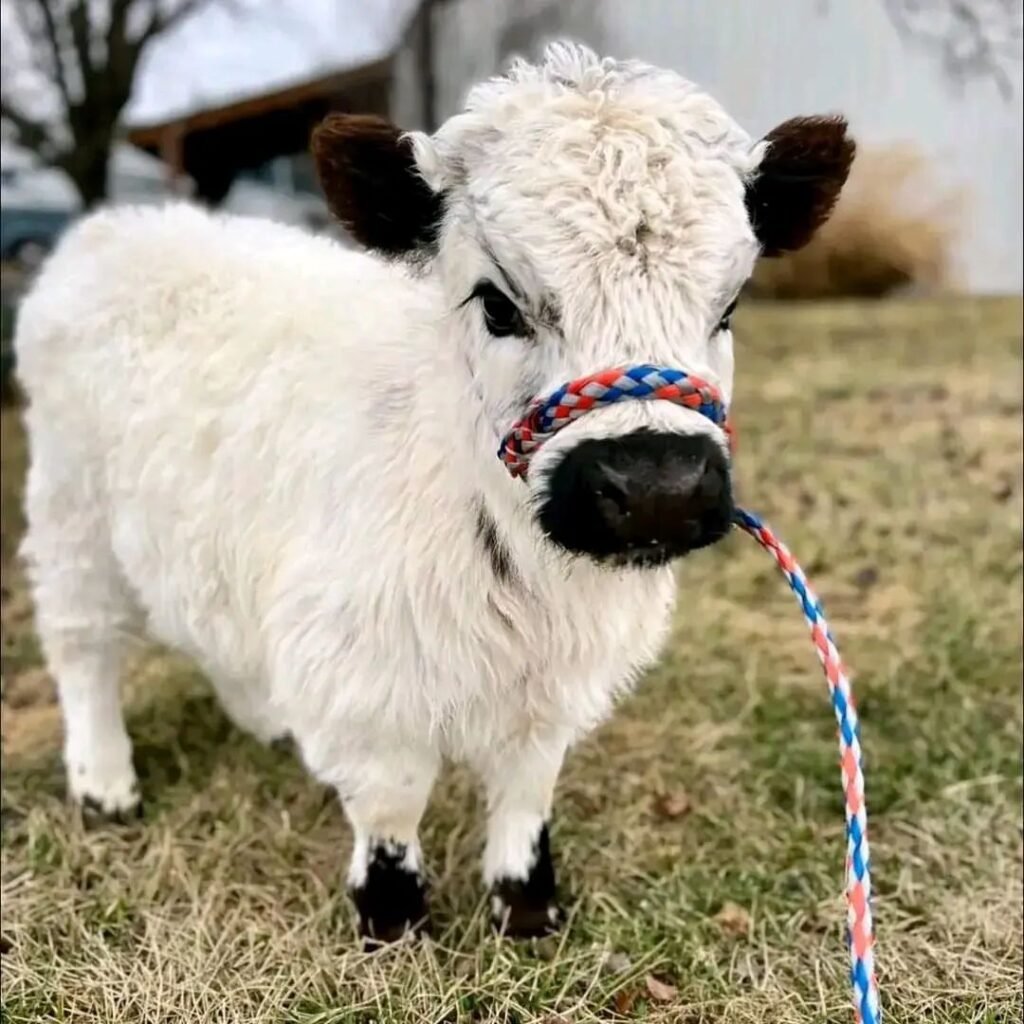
<point>545,417</point>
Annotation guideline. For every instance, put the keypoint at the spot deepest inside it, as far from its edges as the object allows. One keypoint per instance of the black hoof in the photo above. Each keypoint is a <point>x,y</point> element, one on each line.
<point>96,816</point>
<point>392,902</point>
<point>387,935</point>
<point>515,916</point>
<point>525,909</point>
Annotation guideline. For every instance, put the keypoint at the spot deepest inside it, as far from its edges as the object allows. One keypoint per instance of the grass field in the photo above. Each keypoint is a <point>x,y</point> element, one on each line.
<point>699,833</point>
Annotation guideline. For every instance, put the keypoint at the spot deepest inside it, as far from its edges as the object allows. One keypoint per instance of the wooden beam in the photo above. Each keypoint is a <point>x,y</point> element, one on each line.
<point>150,136</point>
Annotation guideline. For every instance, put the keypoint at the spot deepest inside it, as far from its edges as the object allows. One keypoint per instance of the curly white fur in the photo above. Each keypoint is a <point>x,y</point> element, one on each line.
<point>275,451</point>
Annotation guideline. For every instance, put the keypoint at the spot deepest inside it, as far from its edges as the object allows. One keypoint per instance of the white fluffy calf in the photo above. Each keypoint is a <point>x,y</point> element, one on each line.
<point>278,455</point>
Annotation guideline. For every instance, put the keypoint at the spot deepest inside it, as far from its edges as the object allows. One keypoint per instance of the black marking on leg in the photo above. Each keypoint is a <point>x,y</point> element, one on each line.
<point>496,548</point>
<point>529,907</point>
<point>392,900</point>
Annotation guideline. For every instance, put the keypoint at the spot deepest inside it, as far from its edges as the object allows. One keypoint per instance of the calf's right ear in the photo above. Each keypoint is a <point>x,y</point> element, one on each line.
<point>372,185</point>
<point>795,187</point>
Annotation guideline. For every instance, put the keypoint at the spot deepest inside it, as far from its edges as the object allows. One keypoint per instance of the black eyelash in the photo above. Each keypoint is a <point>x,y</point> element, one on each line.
<point>726,321</point>
<point>501,315</point>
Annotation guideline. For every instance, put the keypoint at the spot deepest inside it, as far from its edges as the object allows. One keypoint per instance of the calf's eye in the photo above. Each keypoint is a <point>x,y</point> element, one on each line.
<point>726,322</point>
<point>500,314</point>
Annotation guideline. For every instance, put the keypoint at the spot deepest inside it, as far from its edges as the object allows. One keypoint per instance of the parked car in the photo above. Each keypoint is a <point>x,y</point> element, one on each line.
<point>38,203</point>
<point>27,234</point>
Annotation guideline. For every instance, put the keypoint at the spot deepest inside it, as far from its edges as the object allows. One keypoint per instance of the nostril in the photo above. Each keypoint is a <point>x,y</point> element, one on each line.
<point>711,485</point>
<point>613,502</point>
<point>613,490</point>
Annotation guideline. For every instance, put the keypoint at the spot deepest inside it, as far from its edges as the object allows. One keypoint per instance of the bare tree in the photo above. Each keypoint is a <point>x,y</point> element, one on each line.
<point>975,38</point>
<point>74,77</point>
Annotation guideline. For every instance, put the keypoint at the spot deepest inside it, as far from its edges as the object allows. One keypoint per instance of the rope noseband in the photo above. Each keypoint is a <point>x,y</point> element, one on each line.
<point>544,418</point>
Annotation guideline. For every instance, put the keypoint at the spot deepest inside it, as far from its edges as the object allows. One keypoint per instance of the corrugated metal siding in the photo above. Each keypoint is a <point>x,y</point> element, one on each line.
<point>767,61</point>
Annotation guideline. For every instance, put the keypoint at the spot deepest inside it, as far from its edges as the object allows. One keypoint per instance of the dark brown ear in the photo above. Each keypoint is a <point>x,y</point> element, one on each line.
<point>799,181</point>
<point>371,183</point>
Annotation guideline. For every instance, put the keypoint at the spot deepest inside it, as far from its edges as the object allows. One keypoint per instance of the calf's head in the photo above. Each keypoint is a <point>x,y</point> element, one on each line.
<point>582,214</point>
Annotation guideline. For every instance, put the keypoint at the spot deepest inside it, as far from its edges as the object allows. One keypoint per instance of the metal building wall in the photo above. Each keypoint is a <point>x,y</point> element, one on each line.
<point>769,59</point>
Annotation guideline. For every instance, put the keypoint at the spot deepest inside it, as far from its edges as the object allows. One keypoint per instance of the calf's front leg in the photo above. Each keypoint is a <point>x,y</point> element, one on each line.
<point>519,779</point>
<point>384,785</point>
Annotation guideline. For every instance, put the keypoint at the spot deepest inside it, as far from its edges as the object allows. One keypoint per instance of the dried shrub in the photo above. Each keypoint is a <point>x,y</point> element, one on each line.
<point>893,229</point>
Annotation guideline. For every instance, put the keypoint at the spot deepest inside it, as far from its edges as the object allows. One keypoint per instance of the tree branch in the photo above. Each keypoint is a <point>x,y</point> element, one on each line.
<point>969,40</point>
<point>52,38</point>
<point>118,27</point>
<point>159,23</point>
<point>81,37</point>
<point>36,49</point>
<point>32,134</point>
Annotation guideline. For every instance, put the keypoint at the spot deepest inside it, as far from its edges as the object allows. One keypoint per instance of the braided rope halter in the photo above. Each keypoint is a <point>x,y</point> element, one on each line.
<point>545,417</point>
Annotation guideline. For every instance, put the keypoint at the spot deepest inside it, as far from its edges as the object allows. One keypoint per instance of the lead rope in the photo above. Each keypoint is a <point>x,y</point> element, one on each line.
<point>545,417</point>
<point>860,927</point>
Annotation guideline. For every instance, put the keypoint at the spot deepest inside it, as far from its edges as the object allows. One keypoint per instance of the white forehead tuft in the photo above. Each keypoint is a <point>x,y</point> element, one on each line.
<point>571,81</point>
<point>611,190</point>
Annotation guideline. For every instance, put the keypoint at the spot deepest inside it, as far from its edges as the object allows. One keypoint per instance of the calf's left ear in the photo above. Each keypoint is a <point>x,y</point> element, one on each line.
<point>372,184</point>
<point>794,189</point>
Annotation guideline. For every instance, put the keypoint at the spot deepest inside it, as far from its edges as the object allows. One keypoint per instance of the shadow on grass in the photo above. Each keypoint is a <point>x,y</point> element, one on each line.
<point>180,742</point>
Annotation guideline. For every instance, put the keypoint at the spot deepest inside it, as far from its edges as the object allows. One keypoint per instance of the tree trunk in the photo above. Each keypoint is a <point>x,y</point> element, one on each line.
<point>425,65</point>
<point>88,170</point>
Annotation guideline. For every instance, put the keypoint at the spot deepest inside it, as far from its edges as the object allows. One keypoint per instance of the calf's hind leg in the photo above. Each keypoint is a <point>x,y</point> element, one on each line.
<point>83,615</point>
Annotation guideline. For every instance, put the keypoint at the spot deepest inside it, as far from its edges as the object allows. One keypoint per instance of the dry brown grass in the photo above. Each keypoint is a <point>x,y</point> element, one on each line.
<point>884,441</point>
<point>893,229</point>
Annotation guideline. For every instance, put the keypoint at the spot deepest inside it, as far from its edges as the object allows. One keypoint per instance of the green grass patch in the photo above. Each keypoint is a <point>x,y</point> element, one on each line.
<point>884,442</point>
